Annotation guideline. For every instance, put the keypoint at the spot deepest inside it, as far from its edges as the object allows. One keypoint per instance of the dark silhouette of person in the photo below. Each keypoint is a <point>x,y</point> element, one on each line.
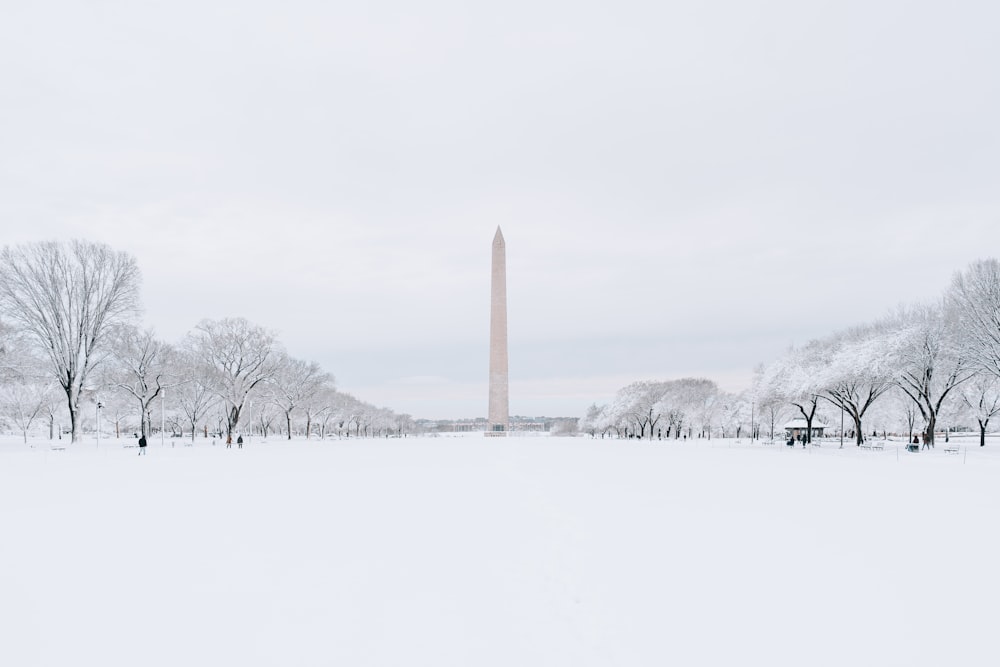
<point>142,445</point>
<point>239,442</point>
<point>229,442</point>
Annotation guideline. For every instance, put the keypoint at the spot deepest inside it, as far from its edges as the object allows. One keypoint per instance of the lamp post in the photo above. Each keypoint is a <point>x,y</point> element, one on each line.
<point>841,426</point>
<point>98,419</point>
<point>163,415</point>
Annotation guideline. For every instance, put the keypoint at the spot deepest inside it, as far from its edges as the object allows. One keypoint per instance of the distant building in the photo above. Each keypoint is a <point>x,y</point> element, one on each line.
<point>517,423</point>
<point>798,427</point>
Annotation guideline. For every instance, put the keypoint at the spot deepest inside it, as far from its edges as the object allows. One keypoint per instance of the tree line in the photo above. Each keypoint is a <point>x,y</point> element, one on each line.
<point>924,368</point>
<point>70,342</point>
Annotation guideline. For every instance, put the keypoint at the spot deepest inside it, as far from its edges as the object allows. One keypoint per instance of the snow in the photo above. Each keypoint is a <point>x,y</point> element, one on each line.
<point>474,551</point>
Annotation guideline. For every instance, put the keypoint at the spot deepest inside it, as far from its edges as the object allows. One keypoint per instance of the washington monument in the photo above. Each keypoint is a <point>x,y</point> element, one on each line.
<point>499,416</point>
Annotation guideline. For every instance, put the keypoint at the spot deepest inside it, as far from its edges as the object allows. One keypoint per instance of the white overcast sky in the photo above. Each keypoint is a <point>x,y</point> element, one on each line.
<point>685,188</point>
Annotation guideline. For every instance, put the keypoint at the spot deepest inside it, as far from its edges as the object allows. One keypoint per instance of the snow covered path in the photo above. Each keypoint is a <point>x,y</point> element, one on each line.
<point>474,551</point>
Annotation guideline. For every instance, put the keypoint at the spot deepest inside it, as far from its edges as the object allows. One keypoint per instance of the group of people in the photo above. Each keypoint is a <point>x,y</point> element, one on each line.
<point>799,437</point>
<point>229,443</point>
<point>915,445</point>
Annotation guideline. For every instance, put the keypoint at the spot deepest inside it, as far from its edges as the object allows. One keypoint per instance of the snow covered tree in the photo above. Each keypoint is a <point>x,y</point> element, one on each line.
<point>142,366</point>
<point>855,372</point>
<point>981,395</point>
<point>317,405</point>
<point>236,357</point>
<point>265,414</point>
<point>589,422</point>
<point>792,379</point>
<point>678,401</point>
<point>25,401</point>
<point>294,383</point>
<point>930,360</point>
<point>66,298</point>
<point>194,395</point>
<point>8,359</point>
<point>641,401</point>
<point>770,403</point>
<point>974,298</point>
<point>118,410</point>
<point>403,423</point>
<point>732,414</point>
<point>697,404</point>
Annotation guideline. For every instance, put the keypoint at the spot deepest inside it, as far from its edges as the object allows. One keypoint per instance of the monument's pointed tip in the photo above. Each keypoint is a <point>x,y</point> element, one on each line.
<point>498,235</point>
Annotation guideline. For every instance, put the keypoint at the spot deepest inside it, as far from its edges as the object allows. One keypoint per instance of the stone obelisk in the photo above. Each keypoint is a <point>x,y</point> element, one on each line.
<point>499,415</point>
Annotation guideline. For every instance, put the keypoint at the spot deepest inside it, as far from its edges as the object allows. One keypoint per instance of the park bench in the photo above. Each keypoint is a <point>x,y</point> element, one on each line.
<point>950,447</point>
<point>877,444</point>
<point>866,444</point>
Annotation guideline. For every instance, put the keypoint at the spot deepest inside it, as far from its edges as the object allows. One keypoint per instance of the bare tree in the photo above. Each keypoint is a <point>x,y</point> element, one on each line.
<point>975,298</point>
<point>329,413</point>
<point>319,404</point>
<point>8,359</point>
<point>26,400</point>
<point>194,393</point>
<point>196,400</point>
<point>65,298</point>
<point>771,404</point>
<point>265,416</point>
<point>294,383</point>
<point>982,397</point>
<point>237,357</point>
<point>143,367</point>
<point>403,423</point>
<point>900,413</point>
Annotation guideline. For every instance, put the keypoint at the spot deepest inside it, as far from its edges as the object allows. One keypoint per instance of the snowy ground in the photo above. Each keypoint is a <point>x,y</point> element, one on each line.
<point>473,551</point>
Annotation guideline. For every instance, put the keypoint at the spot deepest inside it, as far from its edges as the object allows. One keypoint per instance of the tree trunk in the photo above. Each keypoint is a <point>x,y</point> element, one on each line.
<point>858,433</point>
<point>982,432</point>
<point>72,417</point>
<point>233,420</point>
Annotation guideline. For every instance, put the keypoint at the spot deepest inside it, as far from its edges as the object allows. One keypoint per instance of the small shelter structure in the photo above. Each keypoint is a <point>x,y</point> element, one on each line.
<point>798,427</point>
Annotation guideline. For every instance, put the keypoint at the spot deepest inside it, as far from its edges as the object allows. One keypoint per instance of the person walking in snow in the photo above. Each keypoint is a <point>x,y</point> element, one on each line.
<point>142,445</point>
<point>229,442</point>
<point>239,442</point>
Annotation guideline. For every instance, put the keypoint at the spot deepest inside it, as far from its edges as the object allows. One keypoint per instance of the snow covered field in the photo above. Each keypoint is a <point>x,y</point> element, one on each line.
<point>472,551</point>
